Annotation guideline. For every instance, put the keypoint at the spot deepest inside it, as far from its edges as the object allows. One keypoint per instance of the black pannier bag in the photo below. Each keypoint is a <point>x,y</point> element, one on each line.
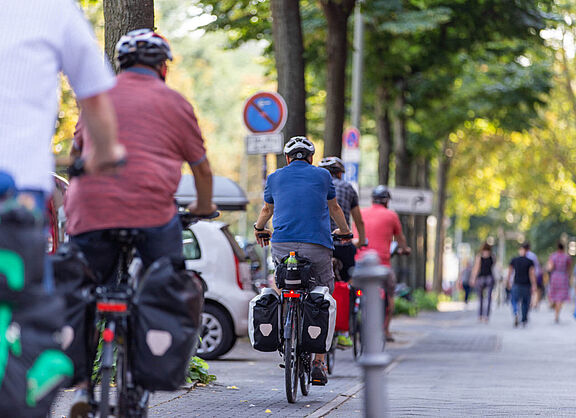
<point>318,321</point>
<point>32,366</point>
<point>291,280</point>
<point>75,282</point>
<point>166,321</point>
<point>22,243</point>
<point>263,321</point>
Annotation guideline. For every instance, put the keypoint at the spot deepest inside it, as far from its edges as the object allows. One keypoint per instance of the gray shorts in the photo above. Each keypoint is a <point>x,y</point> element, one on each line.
<point>320,256</point>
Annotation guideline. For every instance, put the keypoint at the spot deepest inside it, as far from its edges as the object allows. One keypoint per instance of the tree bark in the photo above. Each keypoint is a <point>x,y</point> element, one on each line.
<point>122,16</point>
<point>337,14</point>
<point>289,55</point>
<point>443,168</point>
<point>403,160</point>
<point>384,131</point>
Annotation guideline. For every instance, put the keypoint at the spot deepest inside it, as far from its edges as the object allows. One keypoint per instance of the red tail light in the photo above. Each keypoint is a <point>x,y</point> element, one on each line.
<point>108,335</point>
<point>238,278</point>
<point>111,307</point>
<point>291,294</point>
<point>358,292</point>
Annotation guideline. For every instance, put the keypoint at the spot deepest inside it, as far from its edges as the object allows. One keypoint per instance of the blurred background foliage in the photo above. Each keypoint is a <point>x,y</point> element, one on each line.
<point>503,101</point>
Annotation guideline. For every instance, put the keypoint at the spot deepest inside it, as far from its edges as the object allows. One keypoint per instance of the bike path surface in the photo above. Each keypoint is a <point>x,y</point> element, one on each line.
<point>249,384</point>
<point>458,367</point>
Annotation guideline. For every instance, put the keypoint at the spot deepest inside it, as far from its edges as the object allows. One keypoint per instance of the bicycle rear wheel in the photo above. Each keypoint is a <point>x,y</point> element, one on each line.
<point>291,363</point>
<point>356,334</point>
<point>305,369</point>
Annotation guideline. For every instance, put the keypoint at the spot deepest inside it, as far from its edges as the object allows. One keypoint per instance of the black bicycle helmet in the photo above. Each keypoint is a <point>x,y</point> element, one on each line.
<point>381,193</point>
<point>142,46</point>
<point>299,148</point>
<point>332,164</point>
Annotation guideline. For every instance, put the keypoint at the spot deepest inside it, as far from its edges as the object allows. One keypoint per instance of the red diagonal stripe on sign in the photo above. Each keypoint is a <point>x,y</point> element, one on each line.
<point>263,114</point>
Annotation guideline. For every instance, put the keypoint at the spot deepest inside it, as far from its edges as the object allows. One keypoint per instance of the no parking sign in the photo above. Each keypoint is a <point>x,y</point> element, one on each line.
<point>265,115</point>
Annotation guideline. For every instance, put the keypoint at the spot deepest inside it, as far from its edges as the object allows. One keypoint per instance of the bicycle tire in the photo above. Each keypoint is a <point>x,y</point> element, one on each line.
<point>331,357</point>
<point>104,406</point>
<point>122,396</point>
<point>291,362</point>
<point>357,334</point>
<point>305,370</point>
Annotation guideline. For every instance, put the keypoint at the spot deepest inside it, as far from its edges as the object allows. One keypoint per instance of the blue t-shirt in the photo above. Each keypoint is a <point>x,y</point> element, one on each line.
<point>300,194</point>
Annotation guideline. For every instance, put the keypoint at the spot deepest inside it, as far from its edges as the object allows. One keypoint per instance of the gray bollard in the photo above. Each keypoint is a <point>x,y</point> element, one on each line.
<point>369,275</point>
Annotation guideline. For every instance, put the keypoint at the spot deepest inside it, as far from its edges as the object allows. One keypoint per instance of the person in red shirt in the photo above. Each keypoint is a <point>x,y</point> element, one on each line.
<point>382,225</point>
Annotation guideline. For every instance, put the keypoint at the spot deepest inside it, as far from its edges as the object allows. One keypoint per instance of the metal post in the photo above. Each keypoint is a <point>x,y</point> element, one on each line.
<point>357,66</point>
<point>369,275</point>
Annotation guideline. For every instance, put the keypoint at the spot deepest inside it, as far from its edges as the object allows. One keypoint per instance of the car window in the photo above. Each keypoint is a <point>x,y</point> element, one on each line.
<point>235,247</point>
<point>191,247</point>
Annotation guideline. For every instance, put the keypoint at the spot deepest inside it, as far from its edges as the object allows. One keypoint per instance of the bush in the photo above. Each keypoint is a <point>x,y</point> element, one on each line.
<point>425,301</point>
<point>198,372</point>
<point>420,301</point>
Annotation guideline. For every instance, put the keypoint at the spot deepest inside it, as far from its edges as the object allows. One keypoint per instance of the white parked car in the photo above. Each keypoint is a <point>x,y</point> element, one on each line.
<point>211,249</point>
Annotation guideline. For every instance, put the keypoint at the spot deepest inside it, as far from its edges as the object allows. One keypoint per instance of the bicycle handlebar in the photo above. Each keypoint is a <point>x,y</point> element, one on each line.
<point>188,218</point>
<point>338,237</point>
<point>78,167</point>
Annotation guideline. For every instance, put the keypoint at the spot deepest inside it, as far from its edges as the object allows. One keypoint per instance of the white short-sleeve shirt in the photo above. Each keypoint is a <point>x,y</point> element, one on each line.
<point>38,40</point>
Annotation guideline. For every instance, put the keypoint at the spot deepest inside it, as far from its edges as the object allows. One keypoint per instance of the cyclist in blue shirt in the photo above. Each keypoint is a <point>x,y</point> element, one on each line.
<point>302,199</point>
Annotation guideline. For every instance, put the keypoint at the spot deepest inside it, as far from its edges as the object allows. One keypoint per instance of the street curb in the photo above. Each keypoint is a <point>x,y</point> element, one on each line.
<point>343,397</point>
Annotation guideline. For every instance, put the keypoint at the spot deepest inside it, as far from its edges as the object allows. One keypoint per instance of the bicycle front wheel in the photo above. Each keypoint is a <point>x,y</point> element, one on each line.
<point>356,334</point>
<point>291,364</point>
<point>305,368</point>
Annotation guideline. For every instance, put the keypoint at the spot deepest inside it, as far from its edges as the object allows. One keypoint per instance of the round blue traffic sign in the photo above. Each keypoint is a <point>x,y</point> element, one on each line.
<point>265,112</point>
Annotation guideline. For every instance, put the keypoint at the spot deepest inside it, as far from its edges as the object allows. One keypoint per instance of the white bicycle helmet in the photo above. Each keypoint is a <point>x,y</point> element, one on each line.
<point>142,46</point>
<point>299,147</point>
<point>332,164</point>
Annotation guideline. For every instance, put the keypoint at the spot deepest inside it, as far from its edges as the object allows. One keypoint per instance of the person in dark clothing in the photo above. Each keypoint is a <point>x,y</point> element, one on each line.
<point>524,284</point>
<point>483,280</point>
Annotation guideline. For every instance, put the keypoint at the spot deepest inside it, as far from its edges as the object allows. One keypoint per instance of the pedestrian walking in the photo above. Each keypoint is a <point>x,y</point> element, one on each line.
<point>539,295</point>
<point>524,284</point>
<point>559,266</point>
<point>483,280</point>
<point>464,279</point>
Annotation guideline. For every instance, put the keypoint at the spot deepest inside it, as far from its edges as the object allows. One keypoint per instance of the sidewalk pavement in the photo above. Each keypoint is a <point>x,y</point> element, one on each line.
<point>453,366</point>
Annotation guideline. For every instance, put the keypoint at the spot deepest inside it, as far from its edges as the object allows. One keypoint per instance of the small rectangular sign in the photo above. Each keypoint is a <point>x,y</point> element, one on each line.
<point>404,200</point>
<point>264,144</point>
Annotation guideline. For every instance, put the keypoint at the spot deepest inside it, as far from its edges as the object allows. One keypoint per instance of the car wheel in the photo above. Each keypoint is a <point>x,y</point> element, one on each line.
<point>217,335</point>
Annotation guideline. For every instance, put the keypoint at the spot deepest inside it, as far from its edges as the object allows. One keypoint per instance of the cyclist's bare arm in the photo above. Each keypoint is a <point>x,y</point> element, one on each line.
<point>100,120</point>
<point>203,181</point>
<point>359,222</point>
<point>263,236</point>
<point>338,216</point>
<point>403,247</point>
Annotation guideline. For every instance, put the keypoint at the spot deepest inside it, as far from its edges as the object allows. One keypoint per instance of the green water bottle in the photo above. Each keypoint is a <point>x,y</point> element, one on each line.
<point>291,262</point>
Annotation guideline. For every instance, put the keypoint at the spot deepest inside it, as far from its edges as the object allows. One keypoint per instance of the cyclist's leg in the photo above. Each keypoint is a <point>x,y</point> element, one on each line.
<point>164,240</point>
<point>100,252</point>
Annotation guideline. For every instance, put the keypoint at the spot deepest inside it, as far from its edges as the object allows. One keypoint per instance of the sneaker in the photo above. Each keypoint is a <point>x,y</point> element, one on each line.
<point>344,341</point>
<point>516,321</point>
<point>80,406</point>
<point>390,338</point>
<point>319,376</point>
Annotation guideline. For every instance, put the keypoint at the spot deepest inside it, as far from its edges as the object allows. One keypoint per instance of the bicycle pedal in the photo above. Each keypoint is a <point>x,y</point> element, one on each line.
<point>318,383</point>
<point>282,365</point>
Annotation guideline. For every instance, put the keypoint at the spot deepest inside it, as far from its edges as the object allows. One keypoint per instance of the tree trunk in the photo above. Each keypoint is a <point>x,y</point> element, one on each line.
<point>384,130</point>
<point>289,55</point>
<point>122,16</point>
<point>443,168</point>
<point>403,160</point>
<point>337,14</point>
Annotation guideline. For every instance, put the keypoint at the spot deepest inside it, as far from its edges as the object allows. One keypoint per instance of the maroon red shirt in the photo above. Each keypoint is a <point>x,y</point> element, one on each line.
<point>159,129</point>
